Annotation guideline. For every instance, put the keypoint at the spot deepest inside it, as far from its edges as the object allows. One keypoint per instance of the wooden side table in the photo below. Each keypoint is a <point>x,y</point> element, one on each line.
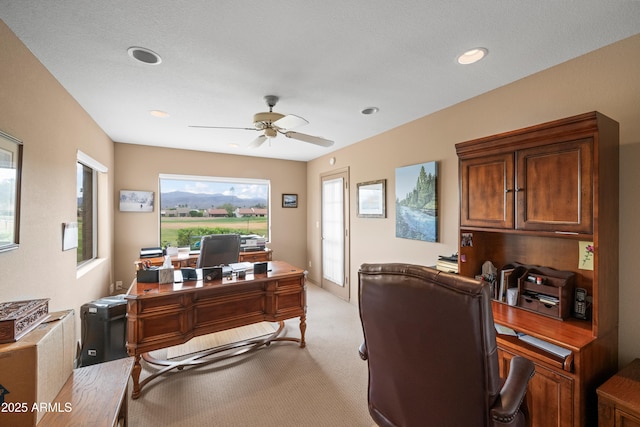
<point>619,398</point>
<point>94,395</point>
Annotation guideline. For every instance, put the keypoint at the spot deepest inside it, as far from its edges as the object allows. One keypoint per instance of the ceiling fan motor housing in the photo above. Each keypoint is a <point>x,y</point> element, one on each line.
<point>264,120</point>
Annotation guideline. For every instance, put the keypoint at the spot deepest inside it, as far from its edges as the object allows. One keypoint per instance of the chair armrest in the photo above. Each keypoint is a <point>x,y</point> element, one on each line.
<point>364,355</point>
<point>513,391</point>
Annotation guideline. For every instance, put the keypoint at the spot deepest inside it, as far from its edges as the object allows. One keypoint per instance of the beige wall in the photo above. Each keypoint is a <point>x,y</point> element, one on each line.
<point>605,80</point>
<point>138,168</point>
<point>37,110</point>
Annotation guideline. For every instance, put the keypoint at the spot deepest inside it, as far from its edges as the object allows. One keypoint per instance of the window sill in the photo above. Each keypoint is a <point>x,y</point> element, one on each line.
<point>89,266</point>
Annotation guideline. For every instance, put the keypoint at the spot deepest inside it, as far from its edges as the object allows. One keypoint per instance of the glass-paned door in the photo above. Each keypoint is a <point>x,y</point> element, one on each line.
<point>335,234</point>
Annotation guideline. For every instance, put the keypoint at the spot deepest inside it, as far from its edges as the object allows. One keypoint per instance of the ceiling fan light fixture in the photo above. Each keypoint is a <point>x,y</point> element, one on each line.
<point>270,133</point>
<point>472,56</point>
<point>144,55</point>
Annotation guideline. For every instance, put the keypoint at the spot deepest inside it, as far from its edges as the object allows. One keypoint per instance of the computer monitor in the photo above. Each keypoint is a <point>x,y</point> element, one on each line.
<point>218,249</point>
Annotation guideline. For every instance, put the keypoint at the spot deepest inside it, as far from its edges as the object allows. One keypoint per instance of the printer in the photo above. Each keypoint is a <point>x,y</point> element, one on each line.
<point>252,242</point>
<point>151,252</point>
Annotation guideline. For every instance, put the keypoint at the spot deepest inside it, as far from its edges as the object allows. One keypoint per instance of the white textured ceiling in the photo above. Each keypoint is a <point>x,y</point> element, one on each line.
<point>326,59</point>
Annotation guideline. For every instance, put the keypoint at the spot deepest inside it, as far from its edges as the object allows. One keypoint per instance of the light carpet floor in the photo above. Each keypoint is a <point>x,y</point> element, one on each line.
<point>324,384</point>
<point>204,342</point>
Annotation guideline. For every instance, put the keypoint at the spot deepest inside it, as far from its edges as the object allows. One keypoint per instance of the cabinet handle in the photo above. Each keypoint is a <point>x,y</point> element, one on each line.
<point>519,189</point>
<point>508,190</point>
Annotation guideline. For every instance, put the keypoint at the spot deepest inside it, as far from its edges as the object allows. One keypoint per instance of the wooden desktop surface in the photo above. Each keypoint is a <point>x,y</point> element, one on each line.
<point>164,315</point>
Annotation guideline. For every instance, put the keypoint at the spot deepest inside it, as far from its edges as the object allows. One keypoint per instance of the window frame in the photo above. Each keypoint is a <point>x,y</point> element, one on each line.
<point>95,168</point>
<point>213,179</point>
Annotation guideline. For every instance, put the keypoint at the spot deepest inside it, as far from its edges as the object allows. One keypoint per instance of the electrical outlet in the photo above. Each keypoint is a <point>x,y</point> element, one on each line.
<point>309,264</point>
<point>119,285</point>
<point>111,289</point>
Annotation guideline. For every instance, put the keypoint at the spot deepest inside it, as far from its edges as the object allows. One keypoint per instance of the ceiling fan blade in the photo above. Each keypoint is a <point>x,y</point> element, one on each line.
<point>309,138</point>
<point>289,121</point>
<point>258,141</point>
<point>221,127</point>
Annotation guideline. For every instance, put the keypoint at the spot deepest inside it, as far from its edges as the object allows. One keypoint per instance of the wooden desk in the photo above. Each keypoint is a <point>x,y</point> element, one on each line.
<point>185,259</point>
<point>164,315</point>
<point>94,396</point>
<point>619,398</point>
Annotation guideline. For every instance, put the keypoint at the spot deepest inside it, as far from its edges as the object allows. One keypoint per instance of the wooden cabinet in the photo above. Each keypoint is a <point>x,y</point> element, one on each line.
<point>545,188</point>
<point>536,196</point>
<point>619,398</point>
<point>550,394</point>
<point>487,195</point>
<point>255,256</point>
<point>554,187</point>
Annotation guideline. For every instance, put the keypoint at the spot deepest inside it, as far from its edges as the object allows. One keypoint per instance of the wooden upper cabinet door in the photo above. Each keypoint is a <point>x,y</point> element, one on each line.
<point>555,187</point>
<point>487,191</point>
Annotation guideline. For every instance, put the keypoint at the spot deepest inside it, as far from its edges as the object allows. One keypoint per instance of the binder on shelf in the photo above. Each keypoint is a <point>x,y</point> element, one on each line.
<point>447,264</point>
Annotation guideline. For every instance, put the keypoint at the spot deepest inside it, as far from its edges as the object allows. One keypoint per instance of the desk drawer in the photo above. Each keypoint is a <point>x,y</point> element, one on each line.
<point>533,304</point>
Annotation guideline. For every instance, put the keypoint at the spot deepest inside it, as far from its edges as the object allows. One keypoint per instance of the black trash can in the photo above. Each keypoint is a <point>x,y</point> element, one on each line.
<point>104,330</point>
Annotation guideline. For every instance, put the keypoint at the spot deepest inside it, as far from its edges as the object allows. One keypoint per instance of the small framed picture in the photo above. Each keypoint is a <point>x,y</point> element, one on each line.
<point>372,199</point>
<point>289,200</point>
<point>136,201</point>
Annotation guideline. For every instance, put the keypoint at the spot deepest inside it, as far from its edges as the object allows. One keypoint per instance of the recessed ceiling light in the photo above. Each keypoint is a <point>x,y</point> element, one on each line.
<point>145,55</point>
<point>370,110</point>
<point>472,56</point>
<point>158,113</point>
<point>233,145</point>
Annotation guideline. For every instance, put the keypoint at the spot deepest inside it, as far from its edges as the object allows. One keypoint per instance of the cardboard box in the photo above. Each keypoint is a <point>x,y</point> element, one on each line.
<point>34,369</point>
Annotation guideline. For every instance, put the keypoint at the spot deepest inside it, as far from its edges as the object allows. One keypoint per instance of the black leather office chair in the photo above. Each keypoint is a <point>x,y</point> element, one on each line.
<point>218,249</point>
<point>430,343</point>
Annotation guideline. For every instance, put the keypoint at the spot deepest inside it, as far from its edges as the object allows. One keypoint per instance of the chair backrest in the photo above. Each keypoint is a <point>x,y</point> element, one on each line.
<point>431,346</point>
<point>218,249</point>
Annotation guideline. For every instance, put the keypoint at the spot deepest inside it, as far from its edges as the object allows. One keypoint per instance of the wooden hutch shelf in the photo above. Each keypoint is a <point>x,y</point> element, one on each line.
<point>530,196</point>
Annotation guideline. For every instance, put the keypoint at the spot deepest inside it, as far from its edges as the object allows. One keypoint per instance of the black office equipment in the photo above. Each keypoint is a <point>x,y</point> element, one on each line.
<point>104,330</point>
<point>260,268</point>
<point>219,249</point>
<point>151,252</point>
<point>580,303</point>
<point>189,274</point>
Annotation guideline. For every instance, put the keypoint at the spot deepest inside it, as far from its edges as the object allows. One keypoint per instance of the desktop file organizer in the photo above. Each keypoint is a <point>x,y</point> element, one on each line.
<point>546,291</point>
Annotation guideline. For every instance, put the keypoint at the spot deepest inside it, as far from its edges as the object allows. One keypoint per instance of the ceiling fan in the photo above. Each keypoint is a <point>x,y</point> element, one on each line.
<point>271,124</point>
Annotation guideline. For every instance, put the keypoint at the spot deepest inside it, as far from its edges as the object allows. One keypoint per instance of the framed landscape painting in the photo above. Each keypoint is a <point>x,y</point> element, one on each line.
<point>417,202</point>
<point>371,199</point>
<point>289,200</point>
<point>136,201</point>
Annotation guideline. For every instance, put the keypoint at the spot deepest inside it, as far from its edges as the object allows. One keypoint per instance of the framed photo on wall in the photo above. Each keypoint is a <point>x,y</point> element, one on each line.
<point>372,199</point>
<point>136,201</point>
<point>289,200</point>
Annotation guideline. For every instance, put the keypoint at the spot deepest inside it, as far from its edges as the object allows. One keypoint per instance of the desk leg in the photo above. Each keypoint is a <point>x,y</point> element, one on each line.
<point>135,375</point>
<point>303,328</point>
